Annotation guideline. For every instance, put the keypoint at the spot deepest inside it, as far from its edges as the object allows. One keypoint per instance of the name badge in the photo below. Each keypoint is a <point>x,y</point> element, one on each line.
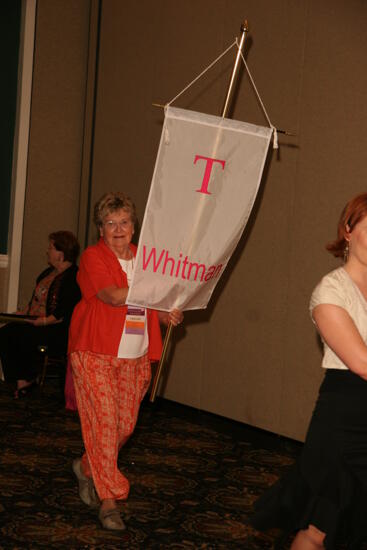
<point>135,320</point>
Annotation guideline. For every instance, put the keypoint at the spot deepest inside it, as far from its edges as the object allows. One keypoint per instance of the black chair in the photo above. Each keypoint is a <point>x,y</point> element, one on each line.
<point>55,360</point>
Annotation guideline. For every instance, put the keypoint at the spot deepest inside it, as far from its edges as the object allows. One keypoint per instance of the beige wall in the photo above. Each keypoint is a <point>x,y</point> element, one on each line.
<point>253,355</point>
<point>56,131</point>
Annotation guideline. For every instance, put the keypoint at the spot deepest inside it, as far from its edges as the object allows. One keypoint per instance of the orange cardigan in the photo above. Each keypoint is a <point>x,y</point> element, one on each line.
<point>96,326</point>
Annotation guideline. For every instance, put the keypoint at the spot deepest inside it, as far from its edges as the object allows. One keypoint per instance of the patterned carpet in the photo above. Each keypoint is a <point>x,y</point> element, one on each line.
<point>194,478</point>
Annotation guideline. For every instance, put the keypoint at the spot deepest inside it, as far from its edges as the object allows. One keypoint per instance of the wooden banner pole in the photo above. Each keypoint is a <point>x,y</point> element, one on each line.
<point>160,364</point>
<point>244,31</point>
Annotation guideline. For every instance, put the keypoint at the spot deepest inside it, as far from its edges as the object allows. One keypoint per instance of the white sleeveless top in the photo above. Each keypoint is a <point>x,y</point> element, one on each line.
<point>338,288</point>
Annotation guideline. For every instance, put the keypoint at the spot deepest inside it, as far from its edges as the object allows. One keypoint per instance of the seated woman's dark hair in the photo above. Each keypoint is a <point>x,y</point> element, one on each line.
<point>66,242</point>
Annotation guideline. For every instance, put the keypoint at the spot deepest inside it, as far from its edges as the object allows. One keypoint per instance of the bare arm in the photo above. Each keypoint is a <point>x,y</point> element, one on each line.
<point>43,321</point>
<point>340,333</point>
<point>116,296</point>
<point>113,295</point>
<point>23,311</point>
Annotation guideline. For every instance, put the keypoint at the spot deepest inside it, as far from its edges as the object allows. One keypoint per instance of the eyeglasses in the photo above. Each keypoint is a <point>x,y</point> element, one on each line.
<point>112,226</point>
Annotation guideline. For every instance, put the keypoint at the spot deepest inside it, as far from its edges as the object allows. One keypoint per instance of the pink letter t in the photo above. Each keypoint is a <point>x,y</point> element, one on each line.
<point>208,171</point>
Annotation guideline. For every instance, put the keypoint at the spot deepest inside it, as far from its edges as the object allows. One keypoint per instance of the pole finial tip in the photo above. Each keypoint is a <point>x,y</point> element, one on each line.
<point>245,26</point>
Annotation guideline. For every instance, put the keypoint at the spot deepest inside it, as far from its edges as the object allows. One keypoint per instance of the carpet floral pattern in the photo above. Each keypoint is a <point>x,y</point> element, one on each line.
<point>193,477</point>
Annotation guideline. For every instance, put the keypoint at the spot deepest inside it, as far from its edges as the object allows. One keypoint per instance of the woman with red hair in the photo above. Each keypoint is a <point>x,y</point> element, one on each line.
<point>324,496</point>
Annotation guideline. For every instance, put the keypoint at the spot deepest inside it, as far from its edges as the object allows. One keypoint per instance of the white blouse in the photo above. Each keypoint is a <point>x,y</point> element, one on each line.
<point>337,288</point>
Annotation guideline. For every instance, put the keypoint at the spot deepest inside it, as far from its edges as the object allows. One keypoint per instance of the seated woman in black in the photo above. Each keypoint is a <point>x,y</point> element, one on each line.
<point>53,300</point>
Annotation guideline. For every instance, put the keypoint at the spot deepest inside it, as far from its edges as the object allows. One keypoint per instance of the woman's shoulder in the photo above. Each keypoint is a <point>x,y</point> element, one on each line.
<point>91,249</point>
<point>44,274</point>
<point>101,250</point>
<point>91,253</point>
<point>332,289</point>
<point>98,249</point>
<point>70,273</point>
<point>336,277</point>
<point>66,281</point>
<point>98,258</point>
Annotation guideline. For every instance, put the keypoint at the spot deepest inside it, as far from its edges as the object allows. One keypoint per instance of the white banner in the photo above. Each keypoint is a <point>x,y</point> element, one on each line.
<point>205,182</point>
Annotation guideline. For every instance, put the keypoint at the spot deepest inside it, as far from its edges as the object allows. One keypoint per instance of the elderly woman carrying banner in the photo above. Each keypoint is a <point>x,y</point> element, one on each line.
<point>111,348</point>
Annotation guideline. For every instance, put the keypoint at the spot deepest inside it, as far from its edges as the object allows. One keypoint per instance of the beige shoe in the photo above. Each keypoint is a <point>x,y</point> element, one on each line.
<point>87,491</point>
<point>111,519</point>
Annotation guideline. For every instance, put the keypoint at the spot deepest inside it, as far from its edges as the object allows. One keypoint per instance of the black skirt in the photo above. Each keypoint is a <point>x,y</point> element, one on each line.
<point>327,487</point>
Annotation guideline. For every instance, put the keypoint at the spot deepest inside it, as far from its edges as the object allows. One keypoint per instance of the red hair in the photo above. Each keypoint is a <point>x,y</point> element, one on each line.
<point>353,212</point>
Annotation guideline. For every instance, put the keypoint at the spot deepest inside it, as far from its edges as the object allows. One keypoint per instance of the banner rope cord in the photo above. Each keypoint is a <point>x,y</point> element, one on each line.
<point>202,73</point>
<point>275,133</point>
